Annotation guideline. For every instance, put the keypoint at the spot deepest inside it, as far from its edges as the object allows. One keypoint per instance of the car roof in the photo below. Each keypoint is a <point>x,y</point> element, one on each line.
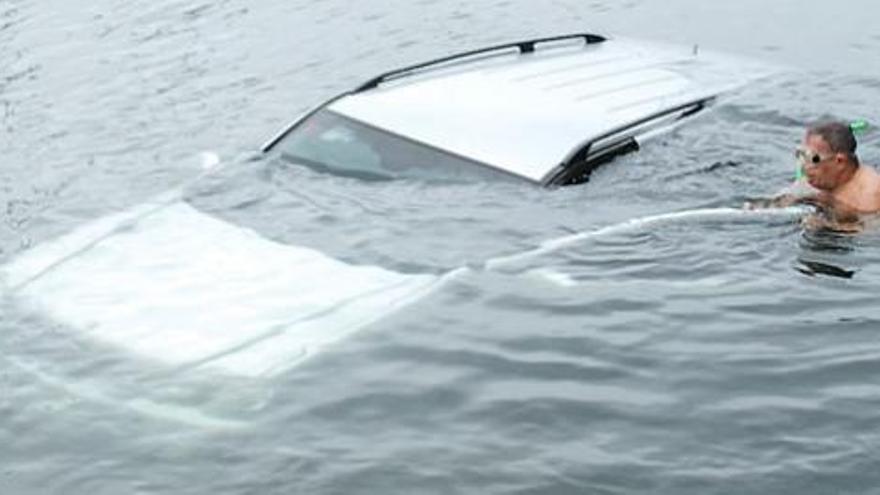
<point>526,110</point>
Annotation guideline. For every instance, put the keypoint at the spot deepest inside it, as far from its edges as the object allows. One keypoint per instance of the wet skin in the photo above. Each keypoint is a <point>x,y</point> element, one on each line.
<point>842,184</point>
<point>845,191</point>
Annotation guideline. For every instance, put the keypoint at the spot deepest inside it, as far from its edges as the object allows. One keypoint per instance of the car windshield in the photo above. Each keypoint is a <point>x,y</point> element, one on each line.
<point>330,142</point>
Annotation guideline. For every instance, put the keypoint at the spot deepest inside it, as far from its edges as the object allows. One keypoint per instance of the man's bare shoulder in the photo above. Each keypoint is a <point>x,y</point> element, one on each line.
<point>862,193</point>
<point>874,187</point>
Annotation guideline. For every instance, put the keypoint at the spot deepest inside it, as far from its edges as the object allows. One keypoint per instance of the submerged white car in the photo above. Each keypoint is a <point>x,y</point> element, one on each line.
<point>173,289</point>
<point>547,110</point>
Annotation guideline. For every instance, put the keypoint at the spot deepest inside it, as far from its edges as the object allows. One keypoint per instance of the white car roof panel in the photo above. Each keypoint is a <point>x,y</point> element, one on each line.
<point>526,112</point>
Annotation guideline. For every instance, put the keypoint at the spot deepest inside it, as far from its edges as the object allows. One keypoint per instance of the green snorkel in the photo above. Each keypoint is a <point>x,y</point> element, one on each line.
<point>857,127</point>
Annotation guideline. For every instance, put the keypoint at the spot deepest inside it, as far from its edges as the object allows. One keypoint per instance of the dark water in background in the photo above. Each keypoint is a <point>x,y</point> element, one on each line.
<point>705,356</point>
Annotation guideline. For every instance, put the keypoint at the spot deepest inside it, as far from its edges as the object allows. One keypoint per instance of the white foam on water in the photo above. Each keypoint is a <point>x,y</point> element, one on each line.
<point>208,160</point>
<point>553,276</point>
<point>181,287</point>
<point>637,224</point>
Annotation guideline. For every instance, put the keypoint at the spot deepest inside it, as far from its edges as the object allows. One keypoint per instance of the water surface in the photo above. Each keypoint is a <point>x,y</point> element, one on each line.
<point>709,355</point>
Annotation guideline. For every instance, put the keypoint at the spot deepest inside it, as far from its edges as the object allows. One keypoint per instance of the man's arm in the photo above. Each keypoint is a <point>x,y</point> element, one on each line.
<point>798,192</point>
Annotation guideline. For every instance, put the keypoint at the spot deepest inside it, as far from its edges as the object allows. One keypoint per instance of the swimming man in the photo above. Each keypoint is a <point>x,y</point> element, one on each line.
<point>833,177</point>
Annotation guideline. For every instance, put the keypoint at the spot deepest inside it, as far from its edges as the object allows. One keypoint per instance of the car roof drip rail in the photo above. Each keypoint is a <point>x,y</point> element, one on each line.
<point>527,46</point>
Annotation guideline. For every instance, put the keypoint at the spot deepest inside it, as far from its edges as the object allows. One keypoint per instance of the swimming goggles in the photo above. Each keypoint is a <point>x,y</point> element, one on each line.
<point>808,156</point>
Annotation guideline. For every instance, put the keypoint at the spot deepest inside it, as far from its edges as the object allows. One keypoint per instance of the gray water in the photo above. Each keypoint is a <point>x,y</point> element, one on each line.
<point>701,356</point>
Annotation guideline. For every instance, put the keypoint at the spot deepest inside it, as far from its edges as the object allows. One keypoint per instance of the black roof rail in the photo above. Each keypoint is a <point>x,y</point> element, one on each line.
<point>582,152</point>
<point>527,46</point>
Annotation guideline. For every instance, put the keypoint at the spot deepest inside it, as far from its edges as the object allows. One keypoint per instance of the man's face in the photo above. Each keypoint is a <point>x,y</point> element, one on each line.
<point>823,167</point>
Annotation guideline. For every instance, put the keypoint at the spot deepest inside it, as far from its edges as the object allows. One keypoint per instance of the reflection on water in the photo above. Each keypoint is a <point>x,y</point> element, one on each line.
<point>819,268</point>
<point>838,252</point>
